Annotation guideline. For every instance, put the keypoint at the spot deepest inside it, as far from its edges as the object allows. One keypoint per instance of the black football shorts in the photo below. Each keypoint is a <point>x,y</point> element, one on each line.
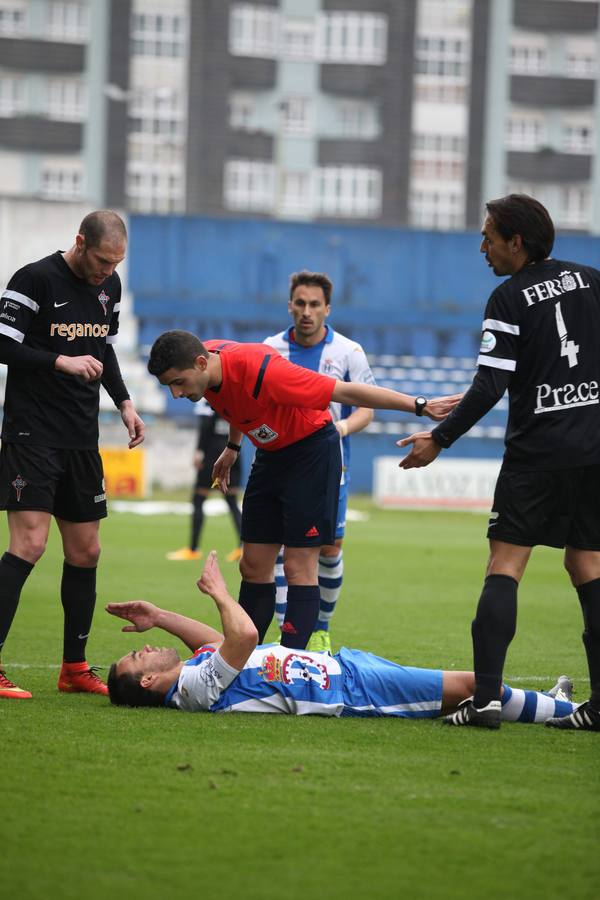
<point>69,484</point>
<point>292,494</point>
<point>556,508</point>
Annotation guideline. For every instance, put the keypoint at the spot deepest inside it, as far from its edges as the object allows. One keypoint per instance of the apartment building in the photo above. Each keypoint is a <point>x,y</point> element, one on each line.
<point>391,112</point>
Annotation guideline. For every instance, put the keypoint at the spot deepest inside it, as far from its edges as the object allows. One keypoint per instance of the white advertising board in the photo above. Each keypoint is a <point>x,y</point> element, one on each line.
<point>445,484</point>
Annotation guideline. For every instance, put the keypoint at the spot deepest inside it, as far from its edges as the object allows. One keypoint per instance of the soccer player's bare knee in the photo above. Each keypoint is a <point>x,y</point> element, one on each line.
<point>301,565</point>
<point>582,565</point>
<point>28,535</point>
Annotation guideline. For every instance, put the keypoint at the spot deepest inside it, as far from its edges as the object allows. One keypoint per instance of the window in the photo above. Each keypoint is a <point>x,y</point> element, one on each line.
<point>61,182</point>
<point>249,185</point>
<point>12,95</point>
<point>347,37</point>
<point>528,58</point>
<point>437,208</point>
<point>438,157</point>
<point>295,194</point>
<point>298,39</point>
<point>348,191</point>
<point>295,116</point>
<point>157,34</point>
<point>442,56</point>
<point>12,20</point>
<point>66,99</point>
<point>524,132</point>
<point>253,30</point>
<point>435,90</point>
<point>241,110</point>
<point>359,119</point>
<point>158,113</point>
<point>581,60</point>
<point>154,188</point>
<point>578,138</point>
<point>67,21</point>
<point>575,207</point>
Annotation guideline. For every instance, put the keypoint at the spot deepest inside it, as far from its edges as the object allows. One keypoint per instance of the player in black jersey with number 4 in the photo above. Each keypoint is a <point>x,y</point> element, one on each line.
<point>59,318</point>
<point>541,341</point>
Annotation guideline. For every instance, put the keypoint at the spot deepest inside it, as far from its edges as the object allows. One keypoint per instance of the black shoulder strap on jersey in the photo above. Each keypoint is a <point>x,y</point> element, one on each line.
<point>261,375</point>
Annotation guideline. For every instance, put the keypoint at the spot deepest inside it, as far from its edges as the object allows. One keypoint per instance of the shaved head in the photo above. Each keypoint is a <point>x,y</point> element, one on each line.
<point>103,225</point>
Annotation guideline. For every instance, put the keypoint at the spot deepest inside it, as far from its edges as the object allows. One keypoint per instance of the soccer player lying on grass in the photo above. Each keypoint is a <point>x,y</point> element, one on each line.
<point>230,673</point>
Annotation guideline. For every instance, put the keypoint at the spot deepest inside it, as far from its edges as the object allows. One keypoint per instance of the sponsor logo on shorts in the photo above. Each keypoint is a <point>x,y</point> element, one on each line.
<point>99,498</point>
<point>488,342</point>
<point>312,532</point>
<point>72,330</point>
<point>568,396</point>
<point>263,434</point>
<point>58,305</point>
<point>19,484</point>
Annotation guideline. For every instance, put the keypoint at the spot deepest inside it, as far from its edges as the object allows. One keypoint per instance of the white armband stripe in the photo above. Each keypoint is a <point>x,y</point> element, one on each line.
<point>111,339</point>
<point>12,333</point>
<point>496,325</point>
<point>22,298</point>
<point>496,363</point>
<point>117,307</point>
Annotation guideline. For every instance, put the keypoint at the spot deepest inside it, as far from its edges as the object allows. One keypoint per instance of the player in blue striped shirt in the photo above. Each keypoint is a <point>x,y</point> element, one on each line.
<point>230,673</point>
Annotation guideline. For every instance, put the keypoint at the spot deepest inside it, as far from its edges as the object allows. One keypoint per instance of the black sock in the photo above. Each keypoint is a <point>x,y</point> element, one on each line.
<point>13,575</point>
<point>78,596</point>
<point>236,514</point>
<point>258,600</point>
<point>301,614</point>
<point>589,597</point>
<point>492,629</point>
<point>197,520</point>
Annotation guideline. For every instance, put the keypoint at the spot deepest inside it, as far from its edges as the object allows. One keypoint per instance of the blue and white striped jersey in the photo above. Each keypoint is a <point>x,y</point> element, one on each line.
<point>276,679</point>
<point>336,356</point>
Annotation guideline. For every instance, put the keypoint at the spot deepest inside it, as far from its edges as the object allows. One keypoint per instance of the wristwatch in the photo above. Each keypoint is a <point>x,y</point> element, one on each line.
<point>420,404</point>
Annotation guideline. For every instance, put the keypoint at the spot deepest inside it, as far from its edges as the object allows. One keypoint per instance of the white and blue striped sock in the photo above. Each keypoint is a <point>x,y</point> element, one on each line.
<point>280,591</point>
<point>532,706</point>
<point>331,575</point>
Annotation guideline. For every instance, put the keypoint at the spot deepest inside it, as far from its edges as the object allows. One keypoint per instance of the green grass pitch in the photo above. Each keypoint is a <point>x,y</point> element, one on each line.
<point>99,802</point>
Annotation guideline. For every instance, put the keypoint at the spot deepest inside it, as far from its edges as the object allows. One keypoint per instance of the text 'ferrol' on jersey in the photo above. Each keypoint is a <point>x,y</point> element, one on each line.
<point>543,326</point>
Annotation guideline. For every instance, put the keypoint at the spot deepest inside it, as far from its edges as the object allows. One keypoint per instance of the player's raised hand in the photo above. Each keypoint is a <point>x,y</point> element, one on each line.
<point>423,452</point>
<point>438,408</point>
<point>88,368</point>
<point>211,581</point>
<point>140,613</point>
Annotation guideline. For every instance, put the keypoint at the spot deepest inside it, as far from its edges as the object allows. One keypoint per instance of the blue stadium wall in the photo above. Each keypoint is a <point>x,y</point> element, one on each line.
<point>404,295</point>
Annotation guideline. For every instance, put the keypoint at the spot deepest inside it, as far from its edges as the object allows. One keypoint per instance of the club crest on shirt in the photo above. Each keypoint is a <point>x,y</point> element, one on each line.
<point>263,434</point>
<point>19,483</point>
<point>103,298</point>
<point>294,669</point>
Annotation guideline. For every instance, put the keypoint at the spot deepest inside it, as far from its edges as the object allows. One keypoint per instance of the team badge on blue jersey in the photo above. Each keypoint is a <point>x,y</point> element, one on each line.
<point>293,669</point>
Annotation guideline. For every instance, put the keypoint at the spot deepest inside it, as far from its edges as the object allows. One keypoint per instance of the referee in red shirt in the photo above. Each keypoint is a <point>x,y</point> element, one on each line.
<point>292,494</point>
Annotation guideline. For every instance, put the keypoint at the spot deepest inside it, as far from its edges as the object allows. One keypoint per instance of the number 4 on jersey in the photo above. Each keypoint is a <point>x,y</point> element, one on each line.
<point>567,348</point>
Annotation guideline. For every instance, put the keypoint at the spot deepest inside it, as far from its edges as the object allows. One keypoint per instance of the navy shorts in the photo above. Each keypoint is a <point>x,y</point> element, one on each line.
<point>68,484</point>
<point>555,508</point>
<point>292,494</point>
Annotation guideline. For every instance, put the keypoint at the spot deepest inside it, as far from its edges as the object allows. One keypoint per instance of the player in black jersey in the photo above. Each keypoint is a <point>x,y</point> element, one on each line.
<point>213,434</point>
<point>541,341</point>
<point>59,319</point>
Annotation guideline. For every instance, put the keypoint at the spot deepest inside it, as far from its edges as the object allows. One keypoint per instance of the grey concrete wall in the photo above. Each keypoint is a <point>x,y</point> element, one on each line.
<point>556,15</point>
<point>31,55</point>
<point>549,90</point>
